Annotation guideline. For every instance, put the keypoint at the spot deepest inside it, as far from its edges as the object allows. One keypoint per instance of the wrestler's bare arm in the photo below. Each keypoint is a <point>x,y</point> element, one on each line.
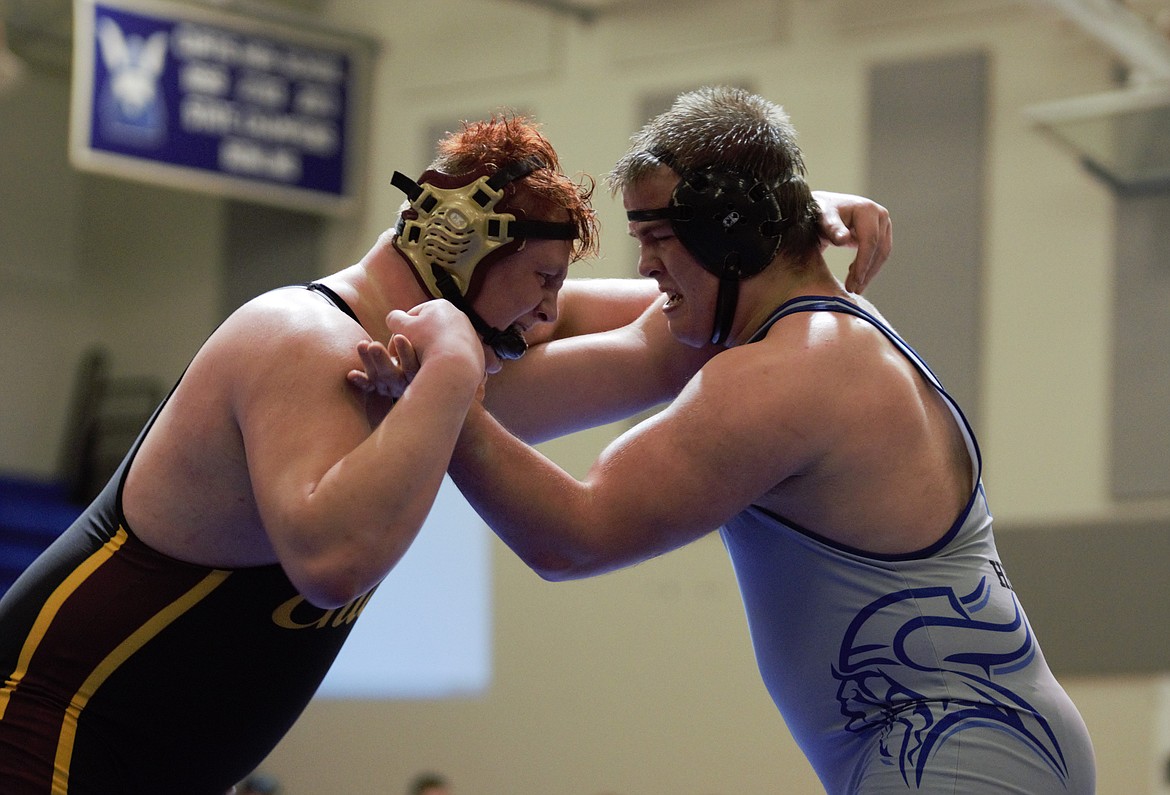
<point>671,479</point>
<point>341,503</point>
<point>568,381</point>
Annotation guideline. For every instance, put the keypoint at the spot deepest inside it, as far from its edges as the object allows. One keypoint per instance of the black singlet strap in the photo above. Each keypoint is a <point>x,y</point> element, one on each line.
<point>334,298</point>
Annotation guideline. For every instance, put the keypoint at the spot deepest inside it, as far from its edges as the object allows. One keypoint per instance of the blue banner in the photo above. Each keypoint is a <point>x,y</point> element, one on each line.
<point>197,99</point>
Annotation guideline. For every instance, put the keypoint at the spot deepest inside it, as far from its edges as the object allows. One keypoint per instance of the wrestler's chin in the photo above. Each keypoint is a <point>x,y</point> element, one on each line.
<point>686,333</point>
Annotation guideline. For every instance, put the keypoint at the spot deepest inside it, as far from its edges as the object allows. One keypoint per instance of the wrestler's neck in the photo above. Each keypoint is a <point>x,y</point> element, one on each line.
<point>380,282</point>
<point>775,285</point>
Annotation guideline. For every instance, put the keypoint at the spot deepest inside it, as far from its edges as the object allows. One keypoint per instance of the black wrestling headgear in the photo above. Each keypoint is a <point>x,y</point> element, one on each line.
<point>454,228</point>
<point>729,222</point>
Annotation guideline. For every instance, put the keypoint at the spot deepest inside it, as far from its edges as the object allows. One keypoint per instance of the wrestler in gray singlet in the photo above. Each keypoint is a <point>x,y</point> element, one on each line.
<point>906,673</point>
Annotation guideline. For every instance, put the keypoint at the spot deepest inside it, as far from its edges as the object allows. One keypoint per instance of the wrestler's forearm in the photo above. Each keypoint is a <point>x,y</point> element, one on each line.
<point>589,380</point>
<point>533,505</point>
<point>587,306</point>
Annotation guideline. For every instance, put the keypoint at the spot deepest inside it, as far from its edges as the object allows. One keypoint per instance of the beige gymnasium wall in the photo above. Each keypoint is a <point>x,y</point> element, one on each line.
<point>639,682</point>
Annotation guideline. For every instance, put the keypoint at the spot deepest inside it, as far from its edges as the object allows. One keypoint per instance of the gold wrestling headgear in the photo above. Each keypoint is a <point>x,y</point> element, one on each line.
<point>452,227</point>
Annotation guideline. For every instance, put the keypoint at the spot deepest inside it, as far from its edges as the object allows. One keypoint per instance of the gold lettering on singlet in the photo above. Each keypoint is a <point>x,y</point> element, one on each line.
<point>350,613</point>
<point>296,613</point>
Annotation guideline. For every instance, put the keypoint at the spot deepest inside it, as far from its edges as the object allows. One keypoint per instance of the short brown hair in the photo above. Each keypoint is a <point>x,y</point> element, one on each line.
<point>733,130</point>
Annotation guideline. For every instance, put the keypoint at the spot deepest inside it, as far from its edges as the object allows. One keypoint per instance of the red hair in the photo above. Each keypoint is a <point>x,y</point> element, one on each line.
<point>545,194</point>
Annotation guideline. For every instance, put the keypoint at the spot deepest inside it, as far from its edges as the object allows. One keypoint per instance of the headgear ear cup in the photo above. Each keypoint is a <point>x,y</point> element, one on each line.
<point>731,225</point>
<point>455,228</point>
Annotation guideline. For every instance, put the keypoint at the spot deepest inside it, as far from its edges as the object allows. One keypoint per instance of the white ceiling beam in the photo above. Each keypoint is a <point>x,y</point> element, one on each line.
<point>1133,39</point>
<point>582,11</point>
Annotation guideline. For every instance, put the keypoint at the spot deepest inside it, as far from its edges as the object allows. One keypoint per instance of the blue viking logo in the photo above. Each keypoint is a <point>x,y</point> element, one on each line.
<point>883,650</point>
<point>130,106</point>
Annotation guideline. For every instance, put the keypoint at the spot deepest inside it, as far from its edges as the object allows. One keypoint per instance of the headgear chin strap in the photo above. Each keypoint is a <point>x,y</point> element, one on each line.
<point>731,225</point>
<point>454,228</point>
<point>508,343</point>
